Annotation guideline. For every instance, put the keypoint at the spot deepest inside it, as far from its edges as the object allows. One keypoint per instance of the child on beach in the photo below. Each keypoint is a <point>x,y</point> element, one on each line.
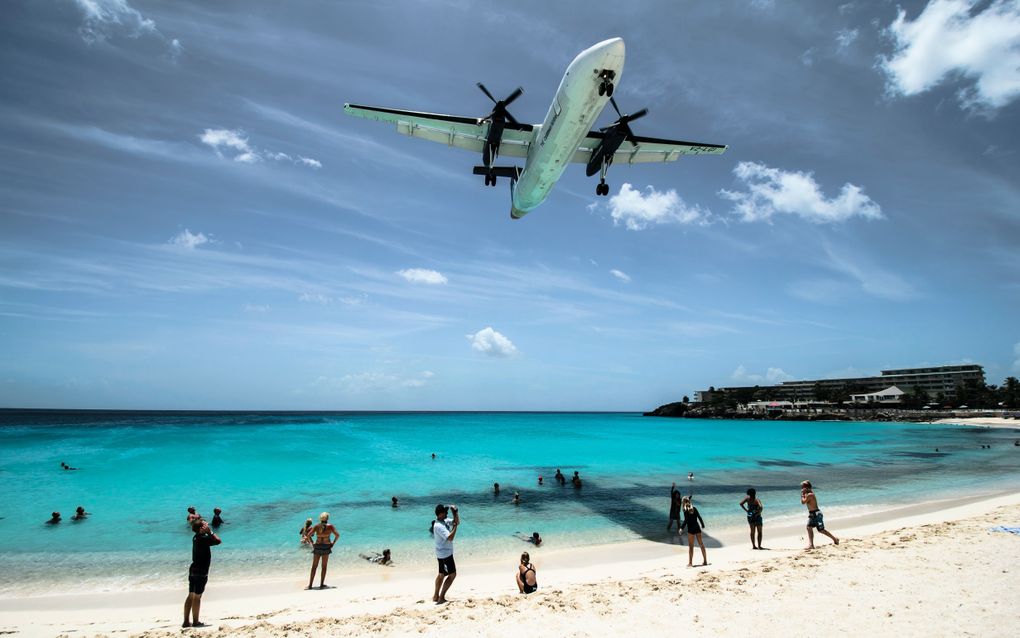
<point>694,525</point>
<point>527,579</point>
<point>753,506</point>
<point>807,497</point>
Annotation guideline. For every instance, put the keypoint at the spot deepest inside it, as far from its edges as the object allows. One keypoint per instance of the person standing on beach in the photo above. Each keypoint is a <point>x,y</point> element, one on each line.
<point>443,531</point>
<point>807,497</point>
<point>674,508</point>
<point>322,547</point>
<point>694,524</point>
<point>753,506</point>
<point>198,573</point>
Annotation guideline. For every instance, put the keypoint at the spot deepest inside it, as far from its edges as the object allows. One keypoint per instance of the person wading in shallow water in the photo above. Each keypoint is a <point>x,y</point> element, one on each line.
<point>753,506</point>
<point>198,573</point>
<point>322,547</point>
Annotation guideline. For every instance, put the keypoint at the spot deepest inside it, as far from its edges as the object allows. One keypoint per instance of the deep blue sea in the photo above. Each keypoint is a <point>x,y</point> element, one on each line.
<point>139,471</point>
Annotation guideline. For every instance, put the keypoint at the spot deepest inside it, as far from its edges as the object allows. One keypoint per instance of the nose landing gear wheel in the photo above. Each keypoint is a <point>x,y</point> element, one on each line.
<point>602,189</point>
<point>609,89</point>
<point>602,88</point>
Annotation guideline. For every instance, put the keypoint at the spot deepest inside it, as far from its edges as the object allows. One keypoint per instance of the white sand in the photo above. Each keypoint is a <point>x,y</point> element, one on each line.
<point>997,422</point>
<point>905,571</point>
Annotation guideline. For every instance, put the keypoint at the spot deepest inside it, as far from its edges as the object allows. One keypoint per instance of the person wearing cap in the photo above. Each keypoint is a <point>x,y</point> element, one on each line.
<point>443,532</point>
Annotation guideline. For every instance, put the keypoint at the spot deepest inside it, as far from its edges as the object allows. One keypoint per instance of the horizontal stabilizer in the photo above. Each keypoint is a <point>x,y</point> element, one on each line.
<point>513,172</point>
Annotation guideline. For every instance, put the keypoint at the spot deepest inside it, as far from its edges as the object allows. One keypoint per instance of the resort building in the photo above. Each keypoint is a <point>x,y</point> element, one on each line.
<point>891,395</point>
<point>934,380</point>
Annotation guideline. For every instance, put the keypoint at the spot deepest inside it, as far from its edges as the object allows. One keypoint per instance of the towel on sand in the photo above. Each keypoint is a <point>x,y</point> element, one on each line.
<point>1010,530</point>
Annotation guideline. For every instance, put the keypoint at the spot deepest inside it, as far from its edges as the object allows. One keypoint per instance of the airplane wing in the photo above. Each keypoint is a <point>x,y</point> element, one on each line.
<point>453,130</point>
<point>646,149</point>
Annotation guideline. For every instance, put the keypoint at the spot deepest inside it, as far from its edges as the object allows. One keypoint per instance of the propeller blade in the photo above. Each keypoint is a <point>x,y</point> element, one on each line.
<point>511,118</point>
<point>639,114</point>
<point>513,96</point>
<point>615,108</point>
<point>486,91</point>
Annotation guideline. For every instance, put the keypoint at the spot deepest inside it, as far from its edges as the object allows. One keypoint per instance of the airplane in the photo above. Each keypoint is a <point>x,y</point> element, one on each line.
<point>562,138</point>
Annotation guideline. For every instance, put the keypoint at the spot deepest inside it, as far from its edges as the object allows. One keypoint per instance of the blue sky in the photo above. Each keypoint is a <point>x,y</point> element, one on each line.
<point>188,220</point>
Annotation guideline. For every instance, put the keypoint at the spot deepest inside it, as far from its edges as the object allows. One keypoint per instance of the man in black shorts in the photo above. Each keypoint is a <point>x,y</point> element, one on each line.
<point>443,530</point>
<point>198,573</point>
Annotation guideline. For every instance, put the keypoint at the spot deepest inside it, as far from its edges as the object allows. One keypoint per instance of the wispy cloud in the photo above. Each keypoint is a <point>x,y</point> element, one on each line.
<point>638,210</point>
<point>619,274</point>
<point>871,279</point>
<point>315,297</point>
<point>106,19</point>
<point>492,343</point>
<point>771,191</point>
<point>189,240</point>
<point>234,143</point>
<point>423,276</point>
<point>845,37</point>
<point>361,383</point>
<point>950,39</point>
<point>772,375</point>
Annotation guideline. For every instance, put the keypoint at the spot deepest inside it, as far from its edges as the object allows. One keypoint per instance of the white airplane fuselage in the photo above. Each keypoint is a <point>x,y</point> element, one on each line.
<point>573,111</point>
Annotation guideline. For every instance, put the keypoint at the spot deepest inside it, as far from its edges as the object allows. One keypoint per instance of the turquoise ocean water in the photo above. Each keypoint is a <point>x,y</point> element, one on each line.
<point>270,471</point>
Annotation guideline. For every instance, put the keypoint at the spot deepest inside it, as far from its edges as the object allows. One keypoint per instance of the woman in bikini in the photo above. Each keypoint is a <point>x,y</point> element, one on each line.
<point>753,506</point>
<point>322,548</point>
<point>694,525</point>
<point>527,580</point>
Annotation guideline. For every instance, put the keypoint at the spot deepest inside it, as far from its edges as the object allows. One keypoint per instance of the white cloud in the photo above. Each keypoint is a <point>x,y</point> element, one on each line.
<point>187,239</point>
<point>104,18</point>
<point>422,276</point>
<point>236,143</point>
<point>772,191</point>
<point>319,298</point>
<point>370,382</point>
<point>772,376</point>
<point>492,343</point>
<point>845,37</point>
<point>622,276</point>
<point>639,210</point>
<point>872,279</point>
<point>948,40</point>
<point>258,308</point>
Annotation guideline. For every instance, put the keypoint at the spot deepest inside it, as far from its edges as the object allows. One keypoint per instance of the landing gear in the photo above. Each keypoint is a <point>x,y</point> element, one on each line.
<point>602,188</point>
<point>606,85</point>
<point>490,180</point>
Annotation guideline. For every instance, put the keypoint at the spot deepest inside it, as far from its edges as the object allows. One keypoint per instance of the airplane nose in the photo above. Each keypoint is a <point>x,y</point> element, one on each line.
<point>615,46</point>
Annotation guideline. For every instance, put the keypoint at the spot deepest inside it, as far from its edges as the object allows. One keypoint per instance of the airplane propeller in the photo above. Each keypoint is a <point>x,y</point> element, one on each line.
<point>622,125</point>
<point>499,111</point>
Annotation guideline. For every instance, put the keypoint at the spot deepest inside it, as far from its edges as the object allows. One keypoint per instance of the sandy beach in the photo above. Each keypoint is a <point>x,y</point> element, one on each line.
<point>986,421</point>
<point>895,572</point>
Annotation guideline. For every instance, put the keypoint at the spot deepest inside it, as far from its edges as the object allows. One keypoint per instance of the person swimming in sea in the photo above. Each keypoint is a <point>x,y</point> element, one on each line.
<point>495,489</point>
<point>534,539</point>
<point>217,520</point>
<point>526,577</point>
<point>54,518</point>
<point>562,480</point>
<point>576,480</point>
<point>384,558</point>
<point>66,466</point>
<point>79,514</point>
<point>193,516</point>
<point>516,500</point>
<point>394,501</point>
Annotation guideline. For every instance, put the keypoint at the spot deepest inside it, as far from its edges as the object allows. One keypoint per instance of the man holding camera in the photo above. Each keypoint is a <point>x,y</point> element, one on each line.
<point>443,530</point>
